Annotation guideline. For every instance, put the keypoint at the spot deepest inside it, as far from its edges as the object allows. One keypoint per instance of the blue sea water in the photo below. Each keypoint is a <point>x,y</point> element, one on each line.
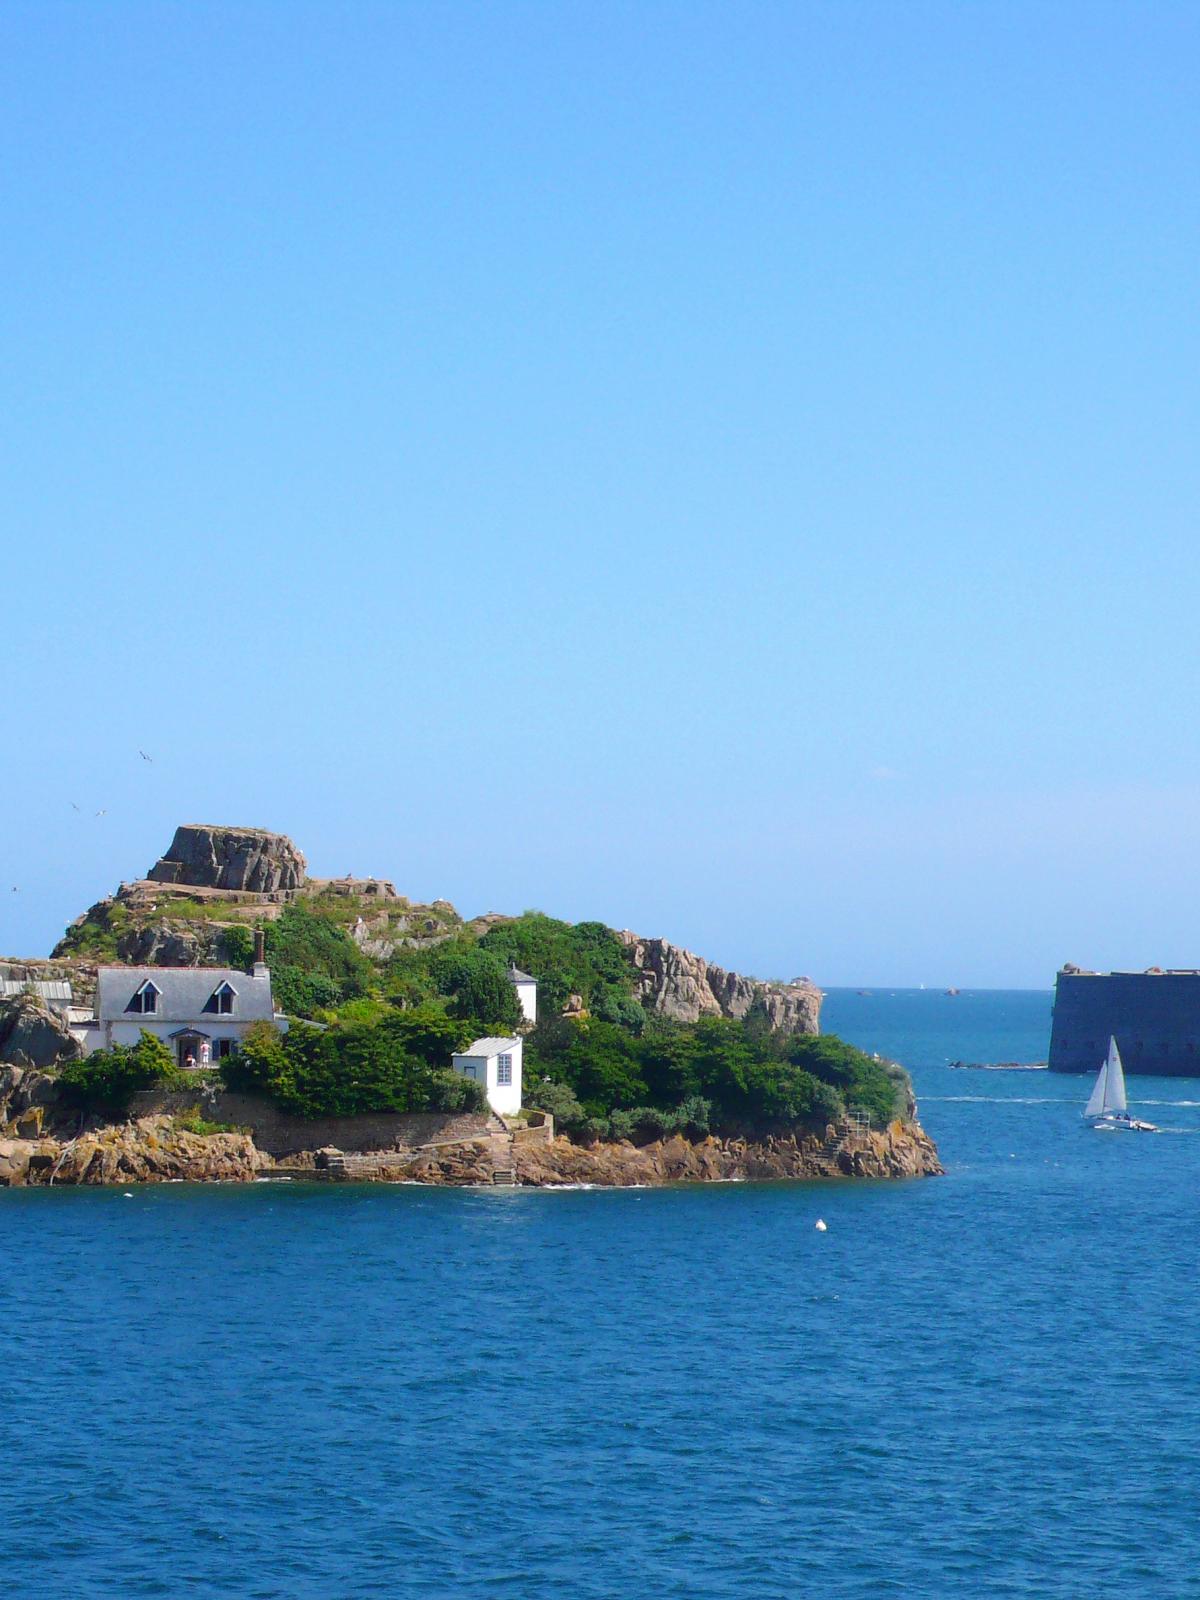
<point>985,1384</point>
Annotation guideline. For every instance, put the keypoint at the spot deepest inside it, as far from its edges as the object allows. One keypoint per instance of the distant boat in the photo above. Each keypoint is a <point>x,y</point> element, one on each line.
<point>1106,1110</point>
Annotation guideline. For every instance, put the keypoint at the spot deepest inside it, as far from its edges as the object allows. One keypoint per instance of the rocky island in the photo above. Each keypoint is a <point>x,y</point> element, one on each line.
<point>141,1049</point>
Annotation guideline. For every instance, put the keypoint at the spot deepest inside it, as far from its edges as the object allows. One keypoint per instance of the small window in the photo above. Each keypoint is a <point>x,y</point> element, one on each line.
<point>222,1048</point>
<point>220,1001</point>
<point>145,1000</point>
<point>504,1069</point>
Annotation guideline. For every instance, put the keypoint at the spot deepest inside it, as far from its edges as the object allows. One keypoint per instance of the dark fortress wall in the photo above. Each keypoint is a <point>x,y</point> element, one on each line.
<point>1154,1017</point>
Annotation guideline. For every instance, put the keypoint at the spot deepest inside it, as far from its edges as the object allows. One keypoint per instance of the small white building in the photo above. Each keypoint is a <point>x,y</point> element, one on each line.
<point>200,1013</point>
<point>526,988</point>
<point>496,1064</point>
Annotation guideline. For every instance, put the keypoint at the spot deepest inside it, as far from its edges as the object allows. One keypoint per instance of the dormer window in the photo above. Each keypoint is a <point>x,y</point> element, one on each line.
<point>145,1000</point>
<point>221,1000</point>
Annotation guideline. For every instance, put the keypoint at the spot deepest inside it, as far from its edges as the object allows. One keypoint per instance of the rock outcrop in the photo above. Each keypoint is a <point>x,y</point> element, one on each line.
<point>28,1096</point>
<point>163,944</point>
<point>152,1150</point>
<point>32,1035</point>
<point>904,1150</point>
<point>249,859</point>
<point>675,983</point>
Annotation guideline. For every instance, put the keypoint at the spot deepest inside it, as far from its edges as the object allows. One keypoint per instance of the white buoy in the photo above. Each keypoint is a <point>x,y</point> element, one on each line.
<point>819,1225</point>
<point>127,1195</point>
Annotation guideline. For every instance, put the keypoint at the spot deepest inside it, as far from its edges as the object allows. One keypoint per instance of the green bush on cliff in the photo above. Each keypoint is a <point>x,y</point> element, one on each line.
<point>583,958</point>
<point>477,984</point>
<point>401,1064</point>
<point>718,1071</point>
<point>237,945</point>
<point>108,1079</point>
<point>315,964</point>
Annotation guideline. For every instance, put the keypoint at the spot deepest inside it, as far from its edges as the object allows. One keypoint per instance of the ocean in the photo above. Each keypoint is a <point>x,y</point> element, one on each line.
<point>978,1385</point>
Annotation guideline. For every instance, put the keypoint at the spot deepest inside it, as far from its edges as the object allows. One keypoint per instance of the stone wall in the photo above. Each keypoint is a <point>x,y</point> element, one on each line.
<point>1154,1017</point>
<point>281,1134</point>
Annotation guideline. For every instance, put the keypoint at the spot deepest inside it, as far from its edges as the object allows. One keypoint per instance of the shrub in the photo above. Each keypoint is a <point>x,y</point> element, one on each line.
<point>693,1117</point>
<point>400,1064</point>
<point>314,963</point>
<point>191,1121</point>
<point>717,1072</point>
<point>583,958</point>
<point>649,1123</point>
<point>237,943</point>
<point>620,1125</point>
<point>108,1079</point>
<point>558,1100</point>
<point>481,993</point>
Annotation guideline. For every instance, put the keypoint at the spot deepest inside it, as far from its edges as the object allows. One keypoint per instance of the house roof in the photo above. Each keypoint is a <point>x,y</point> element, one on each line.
<point>488,1047</point>
<point>518,976</point>
<point>183,993</point>
<point>44,988</point>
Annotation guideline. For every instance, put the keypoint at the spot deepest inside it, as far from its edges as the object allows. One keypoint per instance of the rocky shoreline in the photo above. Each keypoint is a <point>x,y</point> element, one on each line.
<point>156,1149</point>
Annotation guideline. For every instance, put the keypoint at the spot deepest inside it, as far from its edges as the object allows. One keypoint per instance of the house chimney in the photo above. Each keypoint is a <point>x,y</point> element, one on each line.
<point>260,947</point>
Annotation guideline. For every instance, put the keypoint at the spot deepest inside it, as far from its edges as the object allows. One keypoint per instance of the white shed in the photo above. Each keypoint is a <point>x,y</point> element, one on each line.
<point>496,1064</point>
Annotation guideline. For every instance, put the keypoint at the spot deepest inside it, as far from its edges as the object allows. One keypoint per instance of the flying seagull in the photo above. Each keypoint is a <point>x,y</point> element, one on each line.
<point>103,813</point>
<point>74,807</point>
<point>145,757</point>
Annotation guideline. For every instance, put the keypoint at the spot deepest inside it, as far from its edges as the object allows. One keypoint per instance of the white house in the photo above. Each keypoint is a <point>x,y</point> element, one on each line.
<point>526,988</point>
<point>495,1063</point>
<point>199,1012</point>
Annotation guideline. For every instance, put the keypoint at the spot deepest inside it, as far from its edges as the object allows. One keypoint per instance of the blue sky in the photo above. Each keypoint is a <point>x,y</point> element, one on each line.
<point>726,470</point>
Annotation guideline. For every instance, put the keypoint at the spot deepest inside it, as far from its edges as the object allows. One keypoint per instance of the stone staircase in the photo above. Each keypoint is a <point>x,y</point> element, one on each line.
<point>848,1134</point>
<point>504,1175</point>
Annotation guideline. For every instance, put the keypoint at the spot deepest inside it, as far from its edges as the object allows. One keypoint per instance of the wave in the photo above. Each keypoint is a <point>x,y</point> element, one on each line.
<point>1004,1100</point>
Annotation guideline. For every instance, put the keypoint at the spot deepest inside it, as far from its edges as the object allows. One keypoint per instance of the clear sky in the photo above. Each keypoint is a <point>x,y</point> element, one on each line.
<point>725,469</point>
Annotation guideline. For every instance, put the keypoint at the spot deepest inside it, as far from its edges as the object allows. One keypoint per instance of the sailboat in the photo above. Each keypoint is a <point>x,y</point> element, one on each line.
<point>1106,1110</point>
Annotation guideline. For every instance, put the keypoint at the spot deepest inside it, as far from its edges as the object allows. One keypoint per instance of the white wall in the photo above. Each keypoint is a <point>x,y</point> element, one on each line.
<point>130,1032</point>
<point>504,1098</point>
<point>527,995</point>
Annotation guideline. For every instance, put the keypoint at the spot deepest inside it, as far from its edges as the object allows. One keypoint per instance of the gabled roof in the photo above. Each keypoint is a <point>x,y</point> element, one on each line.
<point>183,993</point>
<point>488,1047</point>
<point>517,976</point>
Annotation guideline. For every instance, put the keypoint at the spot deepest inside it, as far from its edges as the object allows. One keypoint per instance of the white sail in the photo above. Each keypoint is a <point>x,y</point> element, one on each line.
<point>1095,1105</point>
<point>1114,1081</point>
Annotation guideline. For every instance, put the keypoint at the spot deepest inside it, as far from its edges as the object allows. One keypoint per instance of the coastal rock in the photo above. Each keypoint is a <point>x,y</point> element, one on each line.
<point>904,1150</point>
<point>151,1150</point>
<point>155,1149</point>
<point>31,1035</point>
<point>674,983</point>
<point>15,1156</point>
<point>248,859</point>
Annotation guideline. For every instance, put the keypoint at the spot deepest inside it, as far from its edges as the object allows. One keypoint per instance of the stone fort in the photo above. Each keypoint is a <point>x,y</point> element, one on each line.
<point>1153,1015</point>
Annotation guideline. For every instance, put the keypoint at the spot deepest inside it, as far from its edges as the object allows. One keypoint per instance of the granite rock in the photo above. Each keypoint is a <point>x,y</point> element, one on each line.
<point>32,1035</point>
<point>674,983</point>
<point>249,859</point>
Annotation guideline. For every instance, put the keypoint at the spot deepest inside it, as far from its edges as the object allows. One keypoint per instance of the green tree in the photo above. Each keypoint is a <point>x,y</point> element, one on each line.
<point>481,993</point>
